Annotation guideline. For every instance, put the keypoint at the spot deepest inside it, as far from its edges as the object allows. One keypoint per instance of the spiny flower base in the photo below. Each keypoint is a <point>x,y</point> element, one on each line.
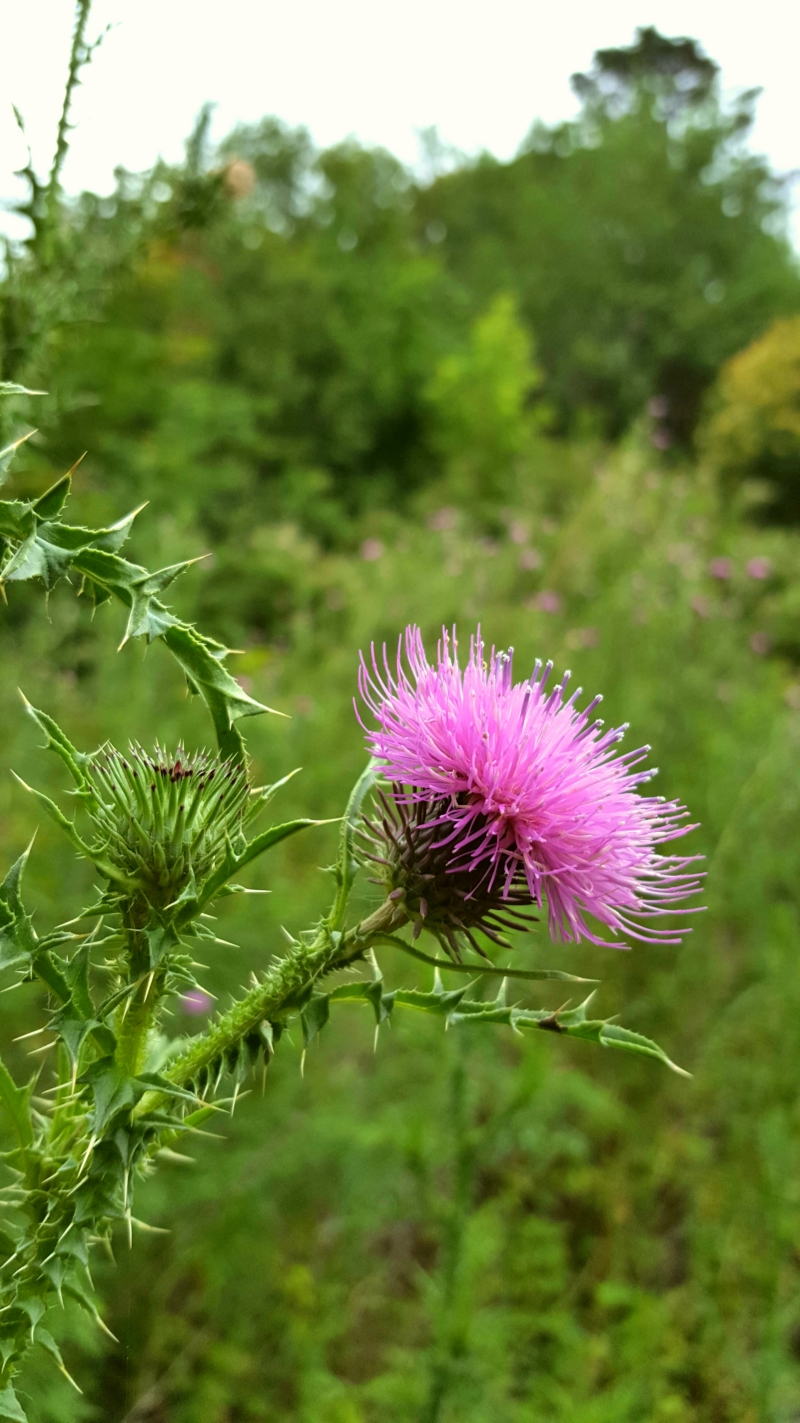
<point>412,844</point>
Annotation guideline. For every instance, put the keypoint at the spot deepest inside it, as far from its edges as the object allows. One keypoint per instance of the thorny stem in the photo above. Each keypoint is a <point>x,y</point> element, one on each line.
<point>137,1014</point>
<point>79,55</point>
<point>286,988</point>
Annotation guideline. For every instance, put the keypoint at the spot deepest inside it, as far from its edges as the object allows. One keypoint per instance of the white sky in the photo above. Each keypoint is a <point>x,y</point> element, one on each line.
<point>480,71</point>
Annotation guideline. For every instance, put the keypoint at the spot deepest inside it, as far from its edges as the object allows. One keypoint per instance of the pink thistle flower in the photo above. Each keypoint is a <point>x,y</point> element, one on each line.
<point>196,1001</point>
<point>530,789</point>
<point>721,568</point>
<point>548,601</point>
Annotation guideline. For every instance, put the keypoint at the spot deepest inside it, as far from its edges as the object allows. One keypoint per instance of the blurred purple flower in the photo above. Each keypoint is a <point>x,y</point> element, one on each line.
<point>721,568</point>
<point>548,601</point>
<point>658,407</point>
<point>661,439</point>
<point>443,519</point>
<point>529,559</point>
<point>371,550</point>
<point>759,568</point>
<point>531,789</point>
<point>760,643</point>
<point>196,1001</point>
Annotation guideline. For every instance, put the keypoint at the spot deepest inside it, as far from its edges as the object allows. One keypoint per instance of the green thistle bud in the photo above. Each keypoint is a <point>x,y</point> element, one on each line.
<point>166,821</point>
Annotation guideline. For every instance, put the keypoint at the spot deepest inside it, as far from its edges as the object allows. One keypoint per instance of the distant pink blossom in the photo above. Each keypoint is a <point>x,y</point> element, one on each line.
<point>760,643</point>
<point>532,788</point>
<point>196,1002</point>
<point>529,559</point>
<point>721,568</point>
<point>443,519</point>
<point>548,601</point>
<point>371,550</point>
<point>759,568</point>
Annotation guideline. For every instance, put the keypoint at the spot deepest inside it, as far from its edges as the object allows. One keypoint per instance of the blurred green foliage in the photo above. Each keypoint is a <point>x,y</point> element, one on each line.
<point>752,431</point>
<point>271,322</point>
<point>358,389</point>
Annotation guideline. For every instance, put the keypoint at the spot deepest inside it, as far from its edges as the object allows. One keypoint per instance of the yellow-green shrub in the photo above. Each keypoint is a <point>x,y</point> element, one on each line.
<point>752,431</point>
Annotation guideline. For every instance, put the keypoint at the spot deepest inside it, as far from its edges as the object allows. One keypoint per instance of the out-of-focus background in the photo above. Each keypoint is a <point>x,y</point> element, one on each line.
<point>555,389</point>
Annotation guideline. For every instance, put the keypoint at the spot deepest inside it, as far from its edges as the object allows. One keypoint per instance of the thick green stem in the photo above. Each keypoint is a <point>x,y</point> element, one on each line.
<point>137,1014</point>
<point>133,1031</point>
<point>286,988</point>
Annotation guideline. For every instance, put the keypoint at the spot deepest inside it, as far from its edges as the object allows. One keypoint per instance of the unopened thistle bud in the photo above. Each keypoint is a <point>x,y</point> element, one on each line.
<point>164,821</point>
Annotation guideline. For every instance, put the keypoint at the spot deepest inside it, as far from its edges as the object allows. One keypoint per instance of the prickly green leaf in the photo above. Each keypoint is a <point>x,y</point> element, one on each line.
<point>10,1406</point>
<point>76,974</point>
<point>73,1030</point>
<point>16,519</point>
<point>160,940</point>
<point>75,1292</point>
<point>48,1343</point>
<point>73,1244</point>
<point>50,504</point>
<point>111,539</point>
<point>148,618</point>
<point>370,991</point>
<point>34,543</point>
<point>154,1082</point>
<point>57,741</point>
<point>612,1035</point>
<point>262,797</point>
<point>111,1088</point>
<point>457,1010</point>
<point>57,815</point>
<point>234,863</point>
<point>442,1004</point>
<point>86,852</point>
<point>33,1306</point>
<point>44,966</point>
<point>314,1017</point>
<point>17,939</point>
<point>17,1103</point>
<point>202,662</point>
<point>268,839</point>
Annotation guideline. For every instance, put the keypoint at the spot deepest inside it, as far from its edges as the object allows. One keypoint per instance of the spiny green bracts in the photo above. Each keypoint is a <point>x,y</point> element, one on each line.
<point>167,821</point>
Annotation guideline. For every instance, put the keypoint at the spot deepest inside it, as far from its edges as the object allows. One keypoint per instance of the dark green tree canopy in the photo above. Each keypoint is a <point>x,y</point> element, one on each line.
<point>675,72</point>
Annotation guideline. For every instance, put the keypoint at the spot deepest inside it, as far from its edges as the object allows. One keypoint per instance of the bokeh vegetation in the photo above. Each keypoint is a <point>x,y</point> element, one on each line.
<point>377,399</point>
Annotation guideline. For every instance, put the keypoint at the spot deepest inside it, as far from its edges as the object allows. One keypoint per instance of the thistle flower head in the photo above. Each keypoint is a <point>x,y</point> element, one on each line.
<point>526,790</point>
<point>163,820</point>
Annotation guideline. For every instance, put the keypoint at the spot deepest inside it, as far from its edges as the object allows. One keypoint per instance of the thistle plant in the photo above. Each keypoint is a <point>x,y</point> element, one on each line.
<point>485,806</point>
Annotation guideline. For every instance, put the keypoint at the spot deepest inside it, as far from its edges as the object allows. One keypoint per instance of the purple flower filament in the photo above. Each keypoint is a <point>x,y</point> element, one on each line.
<point>532,787</point>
